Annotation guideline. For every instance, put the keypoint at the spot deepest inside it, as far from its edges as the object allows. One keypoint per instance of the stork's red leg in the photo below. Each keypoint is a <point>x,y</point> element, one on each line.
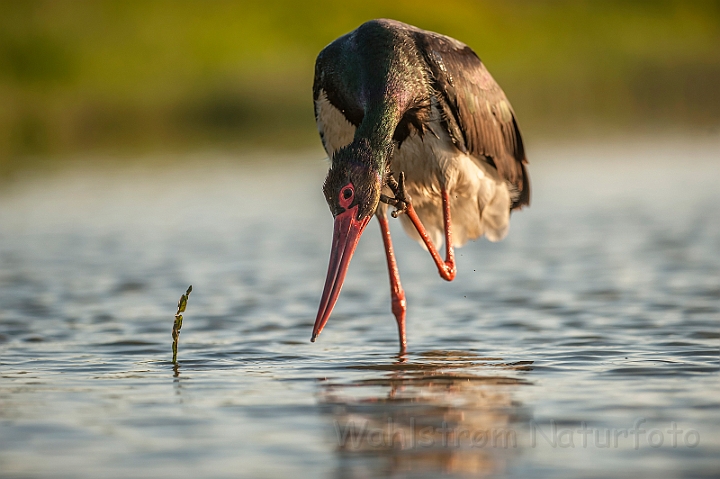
<point>397,295</point>
<point>445,268</point>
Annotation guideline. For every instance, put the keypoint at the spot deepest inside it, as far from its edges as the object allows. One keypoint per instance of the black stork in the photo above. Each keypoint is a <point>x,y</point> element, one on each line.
<point>392,99</point>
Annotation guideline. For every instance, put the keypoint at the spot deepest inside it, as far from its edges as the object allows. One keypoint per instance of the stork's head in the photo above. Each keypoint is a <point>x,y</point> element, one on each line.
<point>352,190</point>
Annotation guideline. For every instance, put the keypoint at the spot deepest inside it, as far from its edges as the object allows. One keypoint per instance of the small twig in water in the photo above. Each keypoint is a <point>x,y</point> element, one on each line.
<point>182,304</point>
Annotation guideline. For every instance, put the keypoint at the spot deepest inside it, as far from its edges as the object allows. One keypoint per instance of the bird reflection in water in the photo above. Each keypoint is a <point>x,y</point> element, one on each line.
<point>440,412</point>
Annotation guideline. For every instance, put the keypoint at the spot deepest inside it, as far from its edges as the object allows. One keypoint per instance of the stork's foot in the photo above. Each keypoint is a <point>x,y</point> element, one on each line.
<point>401,201</point>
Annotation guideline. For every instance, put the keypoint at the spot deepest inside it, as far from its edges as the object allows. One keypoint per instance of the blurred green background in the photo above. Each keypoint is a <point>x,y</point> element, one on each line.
<point>143,77</point>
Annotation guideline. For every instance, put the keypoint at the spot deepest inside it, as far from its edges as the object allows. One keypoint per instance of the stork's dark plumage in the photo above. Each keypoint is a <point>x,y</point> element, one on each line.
<point>393,102</point>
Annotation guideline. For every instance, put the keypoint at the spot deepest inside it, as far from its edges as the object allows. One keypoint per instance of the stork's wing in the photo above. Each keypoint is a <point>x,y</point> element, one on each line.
<point>477,113</point>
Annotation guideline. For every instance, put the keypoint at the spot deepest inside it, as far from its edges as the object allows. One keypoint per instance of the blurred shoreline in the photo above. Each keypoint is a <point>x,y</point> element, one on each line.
<point>671,148</point>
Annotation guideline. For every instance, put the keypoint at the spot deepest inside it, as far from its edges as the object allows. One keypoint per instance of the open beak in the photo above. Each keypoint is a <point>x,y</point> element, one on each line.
<point>346,235</point>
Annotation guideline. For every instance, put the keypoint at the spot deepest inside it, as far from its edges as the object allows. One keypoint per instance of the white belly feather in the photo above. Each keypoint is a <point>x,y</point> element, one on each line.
<point>479,200</point>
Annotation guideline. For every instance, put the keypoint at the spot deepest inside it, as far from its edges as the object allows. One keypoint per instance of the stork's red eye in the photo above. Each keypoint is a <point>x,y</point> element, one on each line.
<point>347,193</point>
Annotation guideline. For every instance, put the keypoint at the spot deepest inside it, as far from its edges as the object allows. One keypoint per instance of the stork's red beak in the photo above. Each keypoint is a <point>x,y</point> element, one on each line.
<point>345,238</point>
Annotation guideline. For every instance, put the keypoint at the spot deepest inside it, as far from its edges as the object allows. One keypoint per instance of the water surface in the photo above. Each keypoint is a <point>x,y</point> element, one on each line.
<point>577,347</point>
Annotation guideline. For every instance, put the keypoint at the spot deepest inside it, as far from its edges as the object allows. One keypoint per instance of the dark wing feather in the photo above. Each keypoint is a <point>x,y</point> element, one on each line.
<point>477,113</point>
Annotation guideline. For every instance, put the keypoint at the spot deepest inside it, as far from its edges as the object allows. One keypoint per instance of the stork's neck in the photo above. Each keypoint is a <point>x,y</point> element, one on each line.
<point>377,129</point>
